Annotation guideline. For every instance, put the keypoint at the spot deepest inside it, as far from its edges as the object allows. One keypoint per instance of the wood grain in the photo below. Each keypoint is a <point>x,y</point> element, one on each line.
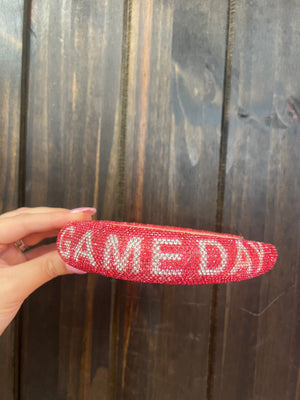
<point>150,129</point>
<point>11,22</point>
<point>72,160</point>
<point>258,324</point>
<point>174,110</point>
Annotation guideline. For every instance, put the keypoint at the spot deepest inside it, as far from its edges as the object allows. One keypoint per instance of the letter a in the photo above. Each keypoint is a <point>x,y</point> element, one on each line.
<point>88,253</point>
<point>243,260</point>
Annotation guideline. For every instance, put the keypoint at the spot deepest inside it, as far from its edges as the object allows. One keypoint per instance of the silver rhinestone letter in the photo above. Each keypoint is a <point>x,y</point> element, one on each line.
<point>88,253</point>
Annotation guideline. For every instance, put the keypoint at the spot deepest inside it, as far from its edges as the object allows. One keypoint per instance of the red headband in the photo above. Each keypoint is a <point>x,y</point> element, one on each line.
<point>158,254</point>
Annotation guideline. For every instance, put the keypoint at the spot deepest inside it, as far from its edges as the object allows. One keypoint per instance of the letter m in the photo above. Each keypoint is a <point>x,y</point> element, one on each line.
<point>121,261</point>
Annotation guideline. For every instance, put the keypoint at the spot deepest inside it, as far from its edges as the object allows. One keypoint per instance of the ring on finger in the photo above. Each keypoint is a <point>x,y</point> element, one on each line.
<point>21,245</point>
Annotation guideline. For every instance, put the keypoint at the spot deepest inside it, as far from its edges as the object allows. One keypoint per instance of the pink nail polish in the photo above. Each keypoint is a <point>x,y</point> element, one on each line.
<point>75,270</point>
<point>86,210</point>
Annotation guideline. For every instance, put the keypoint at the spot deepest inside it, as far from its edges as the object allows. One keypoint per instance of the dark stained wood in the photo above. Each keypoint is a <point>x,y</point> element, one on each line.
<point>138,135</point>
<point>11,20</point>
<point>258,326</point>
<point>176,66</point>
<point>72,154</point>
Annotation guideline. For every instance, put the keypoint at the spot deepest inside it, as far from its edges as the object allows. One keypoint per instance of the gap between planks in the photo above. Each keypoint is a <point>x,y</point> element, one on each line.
<point>221,190</point>
<point>115,298</point>
<point>22,173</point>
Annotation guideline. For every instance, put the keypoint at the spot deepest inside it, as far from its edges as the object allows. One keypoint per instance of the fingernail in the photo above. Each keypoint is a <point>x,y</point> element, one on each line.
<point>86,210</point>
<point>75,270</point>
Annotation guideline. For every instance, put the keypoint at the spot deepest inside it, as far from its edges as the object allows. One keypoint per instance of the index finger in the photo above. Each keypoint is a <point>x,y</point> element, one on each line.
<point>31,210</point>
<point>19,226</point>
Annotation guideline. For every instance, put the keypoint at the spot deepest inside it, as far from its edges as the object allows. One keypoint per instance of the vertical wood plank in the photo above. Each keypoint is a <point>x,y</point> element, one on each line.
<point>11,23</point>
<point>175,82</point>
<point>258,352</point>
<point>72,153</point>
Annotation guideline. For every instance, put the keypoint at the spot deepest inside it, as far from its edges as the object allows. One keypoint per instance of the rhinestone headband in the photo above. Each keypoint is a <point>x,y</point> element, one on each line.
<point>158,254</point>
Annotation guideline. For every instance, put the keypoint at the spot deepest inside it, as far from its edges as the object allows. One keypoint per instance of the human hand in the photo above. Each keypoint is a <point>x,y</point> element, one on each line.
<point>23,272</point>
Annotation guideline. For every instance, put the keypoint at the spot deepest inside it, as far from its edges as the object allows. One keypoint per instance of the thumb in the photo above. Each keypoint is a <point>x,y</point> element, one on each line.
<point>28,276</point>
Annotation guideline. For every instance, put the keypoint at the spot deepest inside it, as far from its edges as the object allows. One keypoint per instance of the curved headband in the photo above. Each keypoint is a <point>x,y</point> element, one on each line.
<point>158,254</point>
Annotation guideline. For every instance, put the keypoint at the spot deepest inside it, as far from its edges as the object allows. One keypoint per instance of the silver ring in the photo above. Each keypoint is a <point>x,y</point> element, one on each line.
<point>21,245</point>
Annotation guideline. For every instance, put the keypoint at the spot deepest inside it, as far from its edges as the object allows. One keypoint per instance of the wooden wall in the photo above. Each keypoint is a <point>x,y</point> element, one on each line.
<point>171,112</point>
